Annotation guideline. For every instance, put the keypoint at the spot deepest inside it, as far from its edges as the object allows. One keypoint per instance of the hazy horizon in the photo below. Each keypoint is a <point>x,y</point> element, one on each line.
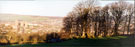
<point>41,8</point>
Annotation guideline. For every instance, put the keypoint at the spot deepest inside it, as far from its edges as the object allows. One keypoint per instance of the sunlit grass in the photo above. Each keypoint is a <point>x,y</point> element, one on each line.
<point>104,41</point>
<point>117,37</point>
<point>114,37</point>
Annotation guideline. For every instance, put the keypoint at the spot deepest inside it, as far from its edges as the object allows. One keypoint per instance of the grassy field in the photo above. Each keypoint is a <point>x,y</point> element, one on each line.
<point>118,41</point>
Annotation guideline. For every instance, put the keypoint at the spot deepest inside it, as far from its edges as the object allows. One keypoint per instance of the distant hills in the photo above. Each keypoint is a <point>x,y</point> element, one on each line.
<point>28,18</point>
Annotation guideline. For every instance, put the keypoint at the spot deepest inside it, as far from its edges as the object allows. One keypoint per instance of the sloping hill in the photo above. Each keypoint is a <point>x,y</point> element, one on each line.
<point>49,23</point>
<point>14,17</point>
<point>117,41</point>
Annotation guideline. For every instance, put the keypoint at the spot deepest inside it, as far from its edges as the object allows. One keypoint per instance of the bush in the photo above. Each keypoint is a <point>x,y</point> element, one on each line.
<point>53,37</point>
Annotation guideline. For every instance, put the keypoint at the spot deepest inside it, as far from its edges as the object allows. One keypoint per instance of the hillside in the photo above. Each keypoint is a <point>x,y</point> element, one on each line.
<point>28,18</point>
<point>49,23</point>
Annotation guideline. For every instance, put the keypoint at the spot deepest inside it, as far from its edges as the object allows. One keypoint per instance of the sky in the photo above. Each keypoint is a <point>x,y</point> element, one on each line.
<point>41,7</point>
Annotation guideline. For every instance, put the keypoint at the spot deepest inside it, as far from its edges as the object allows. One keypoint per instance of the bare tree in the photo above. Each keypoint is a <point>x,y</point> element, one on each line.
<point>117,10</point>
<point>89,20</point>
<point>130,11</point>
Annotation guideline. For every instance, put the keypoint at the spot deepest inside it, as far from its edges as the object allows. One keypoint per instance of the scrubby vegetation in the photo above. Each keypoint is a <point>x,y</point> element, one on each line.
<point>12,37</point>
<point>22,32</point>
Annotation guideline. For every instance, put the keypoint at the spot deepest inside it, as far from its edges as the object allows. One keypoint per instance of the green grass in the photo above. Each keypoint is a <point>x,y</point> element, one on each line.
<point>117,37</point>
<point>118,41</point>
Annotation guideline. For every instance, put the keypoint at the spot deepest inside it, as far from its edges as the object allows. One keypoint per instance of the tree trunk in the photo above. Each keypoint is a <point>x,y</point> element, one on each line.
<point>128,27</point>
<point>116,29</point>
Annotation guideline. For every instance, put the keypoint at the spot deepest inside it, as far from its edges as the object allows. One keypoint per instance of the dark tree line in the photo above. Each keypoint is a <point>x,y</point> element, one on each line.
<point>90,20</point>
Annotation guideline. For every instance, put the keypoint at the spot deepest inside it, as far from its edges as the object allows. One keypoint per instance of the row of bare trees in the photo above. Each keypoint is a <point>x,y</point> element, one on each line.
<point>90,20</point>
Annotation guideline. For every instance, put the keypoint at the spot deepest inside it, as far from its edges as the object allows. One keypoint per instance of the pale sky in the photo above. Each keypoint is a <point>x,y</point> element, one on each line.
<point>40,7</point>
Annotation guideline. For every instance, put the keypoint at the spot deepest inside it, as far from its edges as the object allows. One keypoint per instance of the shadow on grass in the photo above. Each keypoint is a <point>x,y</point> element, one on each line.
<point>118,41</point>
